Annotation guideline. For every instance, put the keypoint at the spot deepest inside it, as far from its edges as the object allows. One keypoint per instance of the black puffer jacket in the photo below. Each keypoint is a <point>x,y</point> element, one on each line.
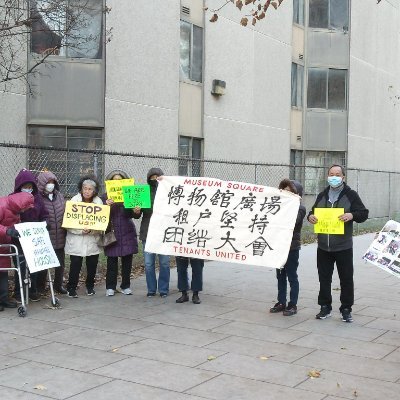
<point>351,202</point>
<point>296,242</point>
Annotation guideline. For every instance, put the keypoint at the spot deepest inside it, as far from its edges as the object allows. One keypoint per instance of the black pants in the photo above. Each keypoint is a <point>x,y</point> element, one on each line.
<point>4,286</point>
<point>33,276</point>
<point>197,265</point>
<point>112,272</point>
<point>42,276</point>
<point>344,265</point>
<point>75,270</point>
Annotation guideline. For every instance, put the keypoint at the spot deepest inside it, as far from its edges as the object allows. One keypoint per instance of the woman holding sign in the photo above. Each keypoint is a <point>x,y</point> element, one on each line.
<point>82,243</point>
<point>125,246</point>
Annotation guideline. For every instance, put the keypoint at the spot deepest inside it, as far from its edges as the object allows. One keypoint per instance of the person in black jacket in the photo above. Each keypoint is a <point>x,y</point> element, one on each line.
<point>289,270</point>
<point>337,248</point>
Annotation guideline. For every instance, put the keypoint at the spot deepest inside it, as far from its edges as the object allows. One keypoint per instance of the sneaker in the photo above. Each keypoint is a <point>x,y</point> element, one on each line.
<point>72,293</point>
<point>346,315</point>
<point>183,299</point>
<point>290,310</point>
<point>126,291</point>
<point>150,294</point>
<point>163,295</point>
<point>196,299</point>
<point>278,307</point>
<point>109,292</point>
<point>90,292</point>
<point>34,297</point>
<point>324,313</point>
<point>61,290</point>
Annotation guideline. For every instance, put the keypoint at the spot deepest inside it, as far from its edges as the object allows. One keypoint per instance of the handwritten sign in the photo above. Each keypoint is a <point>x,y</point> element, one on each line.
<point>114,188</point>
<point>328,221</point>
<point>222,220</point>
<point>136,196</point>
<point>80,215</point>
<point>37,247</point>
<point>384,252</point>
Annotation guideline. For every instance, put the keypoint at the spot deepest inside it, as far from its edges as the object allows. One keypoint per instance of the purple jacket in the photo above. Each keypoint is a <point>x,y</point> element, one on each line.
<point>124,229</point>
<point>55,208</point>
<point>38,213</point>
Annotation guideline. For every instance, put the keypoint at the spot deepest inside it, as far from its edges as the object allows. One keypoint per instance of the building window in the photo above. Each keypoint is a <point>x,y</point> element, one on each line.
<point>191,52</point>
<point>327,88</point>
<point>297,85</point>
<point>68,166</point>
<point>190,148</point>
<point>298,12</point>
<point>67,28</point>
<point>310,168</point>
<point>329,14</point>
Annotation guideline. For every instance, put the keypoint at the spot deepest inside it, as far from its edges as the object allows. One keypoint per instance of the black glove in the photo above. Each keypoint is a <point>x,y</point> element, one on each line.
<point>12,232</point>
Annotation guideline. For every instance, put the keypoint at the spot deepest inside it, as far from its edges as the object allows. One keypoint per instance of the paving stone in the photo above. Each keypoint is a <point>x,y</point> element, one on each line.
<point>9,361</point>
<point>10,342</point>
<point>12,394</point>
<point>393,357</point>
<point>156,373</point>
<point>174,334</point>
<point>206,310</point>
<point>256,331</point>
<point>351,365</point>
<point>255,368</point>
<point>68,356</point>
<point>235,388</point>
<point>60,383</point>
<point>386,324</point>
<point>29,327</point>
<point>380,312</point>
<point>391,338</point>
<point>259,348</point>
<point>344,345</point>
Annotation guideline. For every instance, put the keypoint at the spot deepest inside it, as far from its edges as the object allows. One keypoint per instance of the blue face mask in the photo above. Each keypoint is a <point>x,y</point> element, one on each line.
<point>335,181</point>
<point>27,190</point>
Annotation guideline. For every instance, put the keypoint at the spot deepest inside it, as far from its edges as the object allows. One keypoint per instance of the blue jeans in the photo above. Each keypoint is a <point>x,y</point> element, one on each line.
<point>197,273</point>
<point>289,271</point>
<point>150,268</point>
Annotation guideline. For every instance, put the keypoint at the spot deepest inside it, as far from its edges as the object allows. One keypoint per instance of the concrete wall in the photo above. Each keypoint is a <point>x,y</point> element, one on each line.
<point>374,112</point>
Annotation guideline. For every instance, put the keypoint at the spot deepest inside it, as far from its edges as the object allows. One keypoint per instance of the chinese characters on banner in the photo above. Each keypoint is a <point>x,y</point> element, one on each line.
<point>79,215</point>
<point>37,247</point>
<point>384,251</point>
<point>222,220</point>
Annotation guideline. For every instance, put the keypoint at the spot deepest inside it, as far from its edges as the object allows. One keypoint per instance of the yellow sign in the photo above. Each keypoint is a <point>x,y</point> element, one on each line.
<point>328,221</point>
<point>114,188</point>
<point>86,216</point>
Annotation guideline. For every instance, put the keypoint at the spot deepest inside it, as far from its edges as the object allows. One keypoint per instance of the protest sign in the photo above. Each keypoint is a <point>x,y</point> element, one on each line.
<point>328,221</point>
<point>79,215</point>
<point>384,252</point>
<point>37,247</point>
<point>136,196</point>
<point>114,188</point>
<point>222,220</point>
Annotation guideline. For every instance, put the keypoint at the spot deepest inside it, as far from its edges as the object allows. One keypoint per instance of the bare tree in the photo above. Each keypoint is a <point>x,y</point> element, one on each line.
<point>253,9</point>
<point>47,28</point>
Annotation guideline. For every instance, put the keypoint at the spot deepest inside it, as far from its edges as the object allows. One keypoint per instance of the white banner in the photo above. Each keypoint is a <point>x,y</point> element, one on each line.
<point>37,247</point>
<point>222,220</point>
<point>384,251</point>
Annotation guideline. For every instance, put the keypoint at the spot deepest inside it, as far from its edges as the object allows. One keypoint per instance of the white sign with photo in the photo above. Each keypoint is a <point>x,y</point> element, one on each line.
<point>37,247</point>
<point>222,220</point>
<point>384,251</point>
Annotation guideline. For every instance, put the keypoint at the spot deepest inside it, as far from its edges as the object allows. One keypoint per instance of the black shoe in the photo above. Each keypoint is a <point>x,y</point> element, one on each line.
<point>346,315</point>
<point>150,294</point>
<point>290,310</point>
<point>1,308</point>
<point>324,313</point>
<point>72,293</point>
<point>196,299</point>
<point>34,297</point>
<point>90,292</point>
<point>61,290</point>
<point>183,299</point>
<point>9,304</point>
<point>278,307</point>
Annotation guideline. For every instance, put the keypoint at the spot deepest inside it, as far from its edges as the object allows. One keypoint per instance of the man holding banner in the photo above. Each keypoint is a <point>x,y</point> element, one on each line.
<point>333,214</point>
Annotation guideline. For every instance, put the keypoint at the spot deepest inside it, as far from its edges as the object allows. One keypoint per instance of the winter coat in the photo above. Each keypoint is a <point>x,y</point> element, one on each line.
<point>38,213</point>
<point>351,202</point>
<point>10,207</point>
<point>148,212</point>
<point>55,208</point>
<point>80,244</point>
<point>296,239</point>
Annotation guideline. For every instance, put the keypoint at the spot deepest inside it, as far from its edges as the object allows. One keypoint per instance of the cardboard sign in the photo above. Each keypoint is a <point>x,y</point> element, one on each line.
<point>227,221</point>
<point>328,221</point>
<point>136,196</point>
<point>37,247</point>
<point>80,215</point>
<point>114,188</point>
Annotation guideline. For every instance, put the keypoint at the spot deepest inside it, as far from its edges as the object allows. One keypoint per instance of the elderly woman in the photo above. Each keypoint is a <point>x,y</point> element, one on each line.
<point>125,246</point>
<point>82,243</point>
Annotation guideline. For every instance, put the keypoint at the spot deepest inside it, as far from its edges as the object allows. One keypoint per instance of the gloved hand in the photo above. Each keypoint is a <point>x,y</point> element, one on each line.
<point>12,232</point>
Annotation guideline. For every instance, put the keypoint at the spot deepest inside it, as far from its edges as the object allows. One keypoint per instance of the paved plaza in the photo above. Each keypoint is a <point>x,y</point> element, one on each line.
<point>228,347</point>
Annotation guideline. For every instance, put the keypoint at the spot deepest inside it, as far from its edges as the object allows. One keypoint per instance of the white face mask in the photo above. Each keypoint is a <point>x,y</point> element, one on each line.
<point>49,187</point>
<point>27,190</point>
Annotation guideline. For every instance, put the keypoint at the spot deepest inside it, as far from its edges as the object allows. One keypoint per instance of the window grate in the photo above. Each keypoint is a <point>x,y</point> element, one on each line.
<point>185,10</point>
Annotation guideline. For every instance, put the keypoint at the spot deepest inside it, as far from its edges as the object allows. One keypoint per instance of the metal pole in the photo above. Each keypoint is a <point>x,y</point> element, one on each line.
<point>390,197</point>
